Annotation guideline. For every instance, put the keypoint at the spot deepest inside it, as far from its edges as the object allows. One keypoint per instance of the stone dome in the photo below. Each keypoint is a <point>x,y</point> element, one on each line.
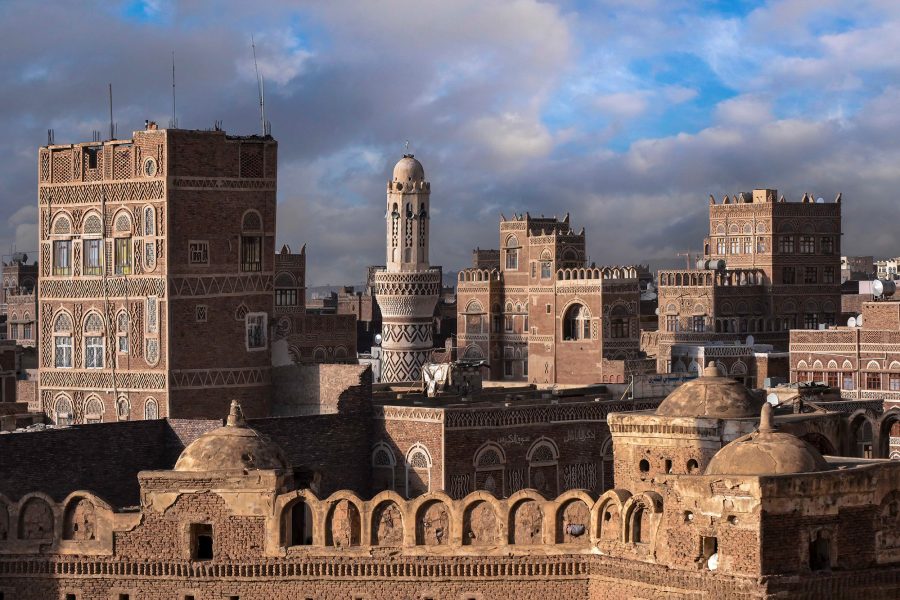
<point>711,395</point>
<point>766,452</point>
<point>234,447</point>
<point>409,169</point>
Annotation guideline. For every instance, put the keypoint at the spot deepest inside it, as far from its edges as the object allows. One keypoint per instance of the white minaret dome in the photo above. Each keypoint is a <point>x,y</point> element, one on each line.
<point>408,169</point>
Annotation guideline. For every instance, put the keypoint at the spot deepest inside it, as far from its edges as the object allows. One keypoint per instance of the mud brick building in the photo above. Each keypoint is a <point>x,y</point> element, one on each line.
<point>863,362</point>
<point>709,501</point>
<point>544,316</point>
<point>156,275</point>
<point>18,303</point>
<point>772,265</point>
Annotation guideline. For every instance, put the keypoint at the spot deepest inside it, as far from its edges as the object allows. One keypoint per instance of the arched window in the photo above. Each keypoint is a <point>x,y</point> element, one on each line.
<point>149,221</point>
<point>151,409</point>
<point>92,225</point>
<point>122,244</point>
<point>93,410</point>
<point>123,408</point>
<point>418,471</point>
<point>577,323</point>
<point>543,462</point>
<point>383,467</point>
<point>122,332</point>
<point>546,265</point>
<point>319,355</point>
<point>297,524</point>
<point>251,242</point>
<point>93,341</point>
<point>619,324</point>
<point>490,469</point>
<point>340,354</point>
<point>62,247</point>
<point>62,341</point>
<point>63,413</point>
<point>92,245</point>
<point>475,318</point>
<point>512,253</point>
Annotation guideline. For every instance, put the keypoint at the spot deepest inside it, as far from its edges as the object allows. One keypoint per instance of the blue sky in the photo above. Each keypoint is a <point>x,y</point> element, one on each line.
<point>627,114</point>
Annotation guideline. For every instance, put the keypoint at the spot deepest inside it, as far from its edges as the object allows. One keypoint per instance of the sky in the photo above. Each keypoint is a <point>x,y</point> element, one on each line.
<point>627,114</point>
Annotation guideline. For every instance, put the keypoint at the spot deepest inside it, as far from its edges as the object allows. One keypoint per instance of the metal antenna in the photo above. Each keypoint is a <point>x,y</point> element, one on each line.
<point>174,118</point>
<point>112,133</point>
<point>407,146</point>
<point>259,89</point>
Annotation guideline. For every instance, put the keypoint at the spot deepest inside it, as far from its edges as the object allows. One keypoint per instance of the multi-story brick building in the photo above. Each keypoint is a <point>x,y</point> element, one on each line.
<point>18,302</point>
<point>156,275</point>
<point>709,501</point>
<point>544,315</point>
<point>772,265</point>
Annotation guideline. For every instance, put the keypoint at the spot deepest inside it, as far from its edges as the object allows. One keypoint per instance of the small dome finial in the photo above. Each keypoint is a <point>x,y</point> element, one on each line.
<point>765,419</point>
<point>711,370</point>
<point>235,415</point>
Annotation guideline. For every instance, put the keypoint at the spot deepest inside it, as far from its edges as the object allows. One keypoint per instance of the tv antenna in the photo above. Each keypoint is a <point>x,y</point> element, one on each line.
<point>112,131</point>
<point>174,122</point>
<point>407,146</point>
<point>261,89</point>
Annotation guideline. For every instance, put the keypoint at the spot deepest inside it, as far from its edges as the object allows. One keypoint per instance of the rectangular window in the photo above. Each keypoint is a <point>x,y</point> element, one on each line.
<point>873,381</point>
<point>548,309</point>
<point>847,379</point>
<point>507,368</point>
<point>811,275</point>
<point>831,378</point>
<point>546,272</point>
<point>123,343</point>
<point>62,257</point>
<point>698,324</point>
<point>63,354</point>
<point>748,245</point>
<point>786,244</point>
<point>93,352</point>
<point>26,333</point>
<point>828,318</point>
<point>894,382</point>
<point>760,245</point>
<point>671,322</point>
<point>618,328</point>
<point>152,315</point>
<point>198,253</point>
<point>256,331</point>
<point>720,246</point>
<point>512,259</point>
<point>807,244</point>
<point>201,541</point>
<point>788,276</point>
<point>93,251</point>
<point>251,253</point>
<point>735,245</point>
<point>827,245</point>
<point>525,367</point>
<point>123,256</point>
<point>286,297</point>
<point>810,321</point>
<point>496,321</point>
<point>508,323</point>
<point>534,269</point>
<point>828,275</point>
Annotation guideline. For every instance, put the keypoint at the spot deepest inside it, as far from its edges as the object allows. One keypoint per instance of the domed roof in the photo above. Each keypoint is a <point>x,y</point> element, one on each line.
<point>711,395</point>
<point>234,447</point>
<point>766,452</point>
<point>409,169</point>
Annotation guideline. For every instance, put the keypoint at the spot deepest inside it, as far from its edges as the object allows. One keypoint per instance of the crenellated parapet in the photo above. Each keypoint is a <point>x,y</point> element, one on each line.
<point>592,273</point>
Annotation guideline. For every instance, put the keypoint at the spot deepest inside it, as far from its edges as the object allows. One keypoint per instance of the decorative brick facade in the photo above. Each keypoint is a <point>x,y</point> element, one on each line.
<point>773,266</point>
<point>156,275</point>
<point>544,316</point>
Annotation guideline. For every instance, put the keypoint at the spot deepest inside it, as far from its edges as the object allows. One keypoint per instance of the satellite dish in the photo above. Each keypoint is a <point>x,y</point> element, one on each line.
<point>749,341</point>
<point>851,322</point>
<point>859,320</point>
<point>657,312</point>
<point>377,339</point>
<point>885,288</point>
<point>820,200</point>
<point>773,399</point>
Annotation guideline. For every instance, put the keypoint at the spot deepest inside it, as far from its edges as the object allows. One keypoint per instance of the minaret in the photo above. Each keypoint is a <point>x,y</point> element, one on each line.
<point>407,289</point>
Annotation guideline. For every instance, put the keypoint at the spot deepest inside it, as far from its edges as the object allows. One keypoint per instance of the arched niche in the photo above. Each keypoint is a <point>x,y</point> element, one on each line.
<point>36,520</point>
<point>297,523</point>
<point>573,520</point>
<point>481,526</point>
<point>80,520</point>
<point>433,524</point>
<point>526,523</point>
<point>344,525</point>
<point>387,524</point>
